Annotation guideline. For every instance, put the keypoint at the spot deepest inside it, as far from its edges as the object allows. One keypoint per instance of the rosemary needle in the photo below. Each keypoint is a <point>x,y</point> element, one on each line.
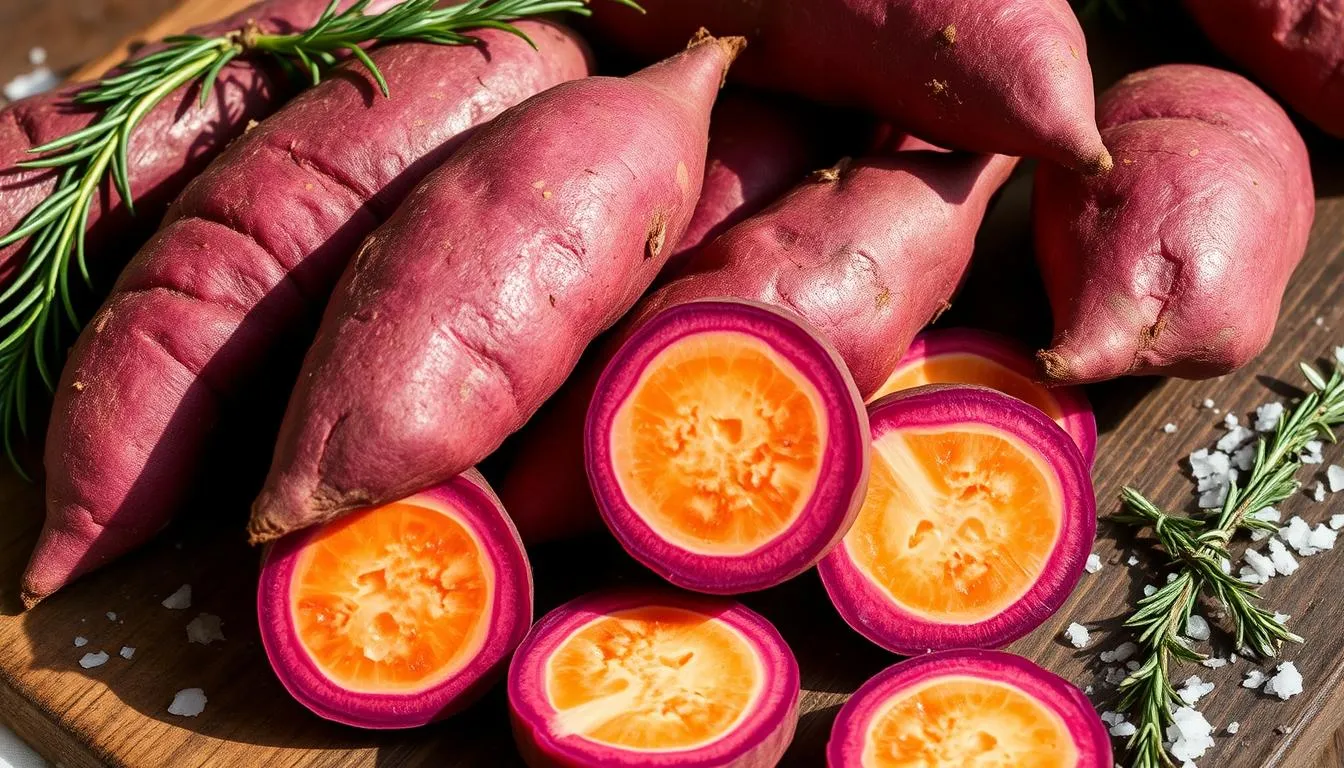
<point>30,324</point>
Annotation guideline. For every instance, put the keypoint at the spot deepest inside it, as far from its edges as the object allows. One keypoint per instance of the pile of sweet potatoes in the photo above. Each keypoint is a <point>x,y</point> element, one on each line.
<point>428,275</point>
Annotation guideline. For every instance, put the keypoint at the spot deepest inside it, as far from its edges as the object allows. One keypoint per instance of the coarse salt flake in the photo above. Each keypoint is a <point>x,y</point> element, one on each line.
<point>1133,561</point>
<point>1189,733</point>
<point>1267,416</point>
<point>1234,439</point>
<point>1233,727</point>
<point>205,629</point>
<point>188,702</point>
<point>1263,566</point>
<point>81,641</point>
<point>1334,475</point>
<point>1284,562</point>
<point>1318,491</point>
<point>1254,679</point>
<point>179,600</point>
<point>1311,452</point>
<point>1169,428</point>
<point>1077,635</point>
<point>1286,682</point>
<point>1336,522</point>
<point>91,660</point>
<point>1214,662</point>
<point>127,652</point>
<point>1194,689</point>
<point>1093,564</point>
<point>1122,652</point>
<point>1196,627</point>
<point>1266,515</point>
<point>1208,403</point>
<point>111,616</point>
<point>1230,421</point>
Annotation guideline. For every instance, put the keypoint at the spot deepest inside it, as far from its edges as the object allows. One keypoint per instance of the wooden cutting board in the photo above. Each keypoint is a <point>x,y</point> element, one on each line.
<point>116,714</point>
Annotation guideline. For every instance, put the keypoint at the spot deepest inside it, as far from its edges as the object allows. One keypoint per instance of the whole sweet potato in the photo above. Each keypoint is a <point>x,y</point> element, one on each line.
<point>216,306</point>
<point>1295,47</point>
<point>867,253</point>
<point>759,147</point>
<point>468,309</point>
<point>172,144</point>
<point>1176,261</point>
<point>1005,76</point>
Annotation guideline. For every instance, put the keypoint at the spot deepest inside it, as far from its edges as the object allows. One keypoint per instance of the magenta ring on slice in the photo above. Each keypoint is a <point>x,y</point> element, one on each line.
<point>852,727</point>
<point>1075,411</point>
<point>473,505</point>
<point>831,503</point>
<point>867,607</point>
<point>757,738</point>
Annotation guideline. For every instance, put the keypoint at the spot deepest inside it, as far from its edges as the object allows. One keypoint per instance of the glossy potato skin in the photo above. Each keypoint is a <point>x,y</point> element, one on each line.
<point>1175,262</point>
<point>867,253</point>
<point>206,325</point>
<point>990,76</point>
<point>468,309</point>
<point>1295,47</point>
<point>172,144</point>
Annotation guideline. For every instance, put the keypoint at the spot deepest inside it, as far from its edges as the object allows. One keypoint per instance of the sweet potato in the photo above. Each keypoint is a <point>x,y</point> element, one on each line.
<point>868,253</point>
<point>217,304</point>
<point>1005,76</point>
<point>1295,48</point>
<point>759,147</point>
<point>1176,261</point>
<point>468,309</point>
<point>171,145</point>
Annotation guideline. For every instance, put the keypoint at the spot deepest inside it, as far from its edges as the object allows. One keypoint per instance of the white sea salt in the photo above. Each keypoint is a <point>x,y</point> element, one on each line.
<point>1077,635</point>
<point>1234,439</point>
<point>39,80</point>
<point>1233,727</point>
<point>1267,416</point>
<point>205,629</point>
<point>1189,733</point>
<point>1268,515</point>
<point>1254,679</point>
<point>1311,452</point>
<point>1122,652</point>
<point>1261,565</point>
<point>1093,564</point>
<point>1336,522</point>
<point>1149,590</point>
<point>1318,491</point>
<point>1124,730</point>
<point>1214,662</point>
<point>1194,689</point>
<point>1208,403</point>
<point>179,600</point>
<point>1306,540</point>
<point>1133,561</point>
<point>81,641</point>
<point>1322,537</point>
<point>111,616</point>
<point>1286,682</point>
<point>1244,457</point>
<point>188,702</point>
<point>1169,428</point>
<point>1115,675</point>
<point>1196,627</point>
<point>1230,421</point>
<point>127,652</point>
<point>1334,475</point>
<point>91,660</point>
<point>1284,563</point>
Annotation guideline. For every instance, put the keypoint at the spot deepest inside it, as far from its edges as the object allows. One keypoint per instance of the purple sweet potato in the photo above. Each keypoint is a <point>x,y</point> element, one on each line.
<point>759,147</point>
<point>992,76</point>
<point>213,308</point>
<point>463,313</point>
<point>1176,261</point>
<point>1295,47</point>
<point>172,144</point>
<point>868,252</point>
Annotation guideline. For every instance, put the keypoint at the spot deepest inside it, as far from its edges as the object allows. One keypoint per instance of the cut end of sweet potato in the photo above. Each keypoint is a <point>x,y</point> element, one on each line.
<point>1102,163</point>
<point>1053,364</point>
<point>732,45</point>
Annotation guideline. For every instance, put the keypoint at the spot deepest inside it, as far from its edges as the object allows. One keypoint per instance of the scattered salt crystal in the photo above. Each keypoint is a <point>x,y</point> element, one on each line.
<point>1122,652</point>
<point>1093,564</point>
<point>1149,590</point>
<point>1268,515</point>
<point>1208,402</point>
<point>37,56</point>
<point>81,641</point>
<point>1214,662</point>
<point>1115,675</point>
<point>127,651</point>
<point>1132,666</point>
<point>1284,563</point>
<point>1320,321</point>
<point>1267,416</point>
<point>1230,421</point>
<point>1311,452</point>
<point>1133,561</point>
<point>1254,679</point>
<point>1286,683</point>
<point>1233,727</point>
<point>1124,730</point>
<point>40,80</point>
<point>1112,718</point>
<point>1298,534</point>
<point>1336,522</point>
<point>1193,690</point>
<point>111,616</point>
<point>1204,464</point>
<point>205,629</point>
<point>1189,733</point>
<point>179,600</point>
<point>1171,577</point>
<point>1077,635</point>
<point>1318,492</point>
<point>188,702</point>
<point>1169,428</point>
<point>1339,354</point>
<point>1232,658</point>
<point>1196,627</point>
<point>1217,494</point>
<point>1335,476</point>
<point>1234,439</point>
<point>1322,537</point>
<point>91,660</point>
<point>1261,565</point>
<point>1281,618</point>
<point>1225,565</point>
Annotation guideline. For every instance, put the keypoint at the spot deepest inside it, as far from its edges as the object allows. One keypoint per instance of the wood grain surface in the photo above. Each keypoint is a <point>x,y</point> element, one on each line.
<point>116,714</point>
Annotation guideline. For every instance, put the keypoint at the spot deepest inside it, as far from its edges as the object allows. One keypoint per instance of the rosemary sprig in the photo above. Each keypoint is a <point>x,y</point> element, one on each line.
<point>1197,547</point>
<point>30,324</point>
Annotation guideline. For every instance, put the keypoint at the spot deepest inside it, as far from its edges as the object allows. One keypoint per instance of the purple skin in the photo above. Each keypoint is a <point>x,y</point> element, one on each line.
<point>169,147</point>
<point>1175,263</point>
<point>1078,419</point>
<point>833,504</point>
<point>845,748</point>
<point>992,76</point>
<point>186,343</point>
<point>865,607</point>
<point>759,740</point>
<point>510,618</point>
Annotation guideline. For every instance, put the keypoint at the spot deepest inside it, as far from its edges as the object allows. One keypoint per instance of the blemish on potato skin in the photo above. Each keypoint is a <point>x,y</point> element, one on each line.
<point>79,386</point>
<point>657,236</point>
<point>948,35</point>
<point>1073,52</point>
<point>683,177</point>
<point>883,299</point>
<point>1194,152</point>
<point>551,298</point>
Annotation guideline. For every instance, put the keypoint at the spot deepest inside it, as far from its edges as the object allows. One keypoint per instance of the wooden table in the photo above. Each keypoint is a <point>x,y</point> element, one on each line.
<point>117,714</point>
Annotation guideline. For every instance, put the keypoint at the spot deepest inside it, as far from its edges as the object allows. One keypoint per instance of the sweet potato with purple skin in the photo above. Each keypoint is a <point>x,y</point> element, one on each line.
<point>992,76</point>
<point>468,309</point>
<point>1176,261</point>
<point>205,321</point>
<point>1295,47</point>
<point>868,252</point>
<point>759,147</point>
<point>170,146</point>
